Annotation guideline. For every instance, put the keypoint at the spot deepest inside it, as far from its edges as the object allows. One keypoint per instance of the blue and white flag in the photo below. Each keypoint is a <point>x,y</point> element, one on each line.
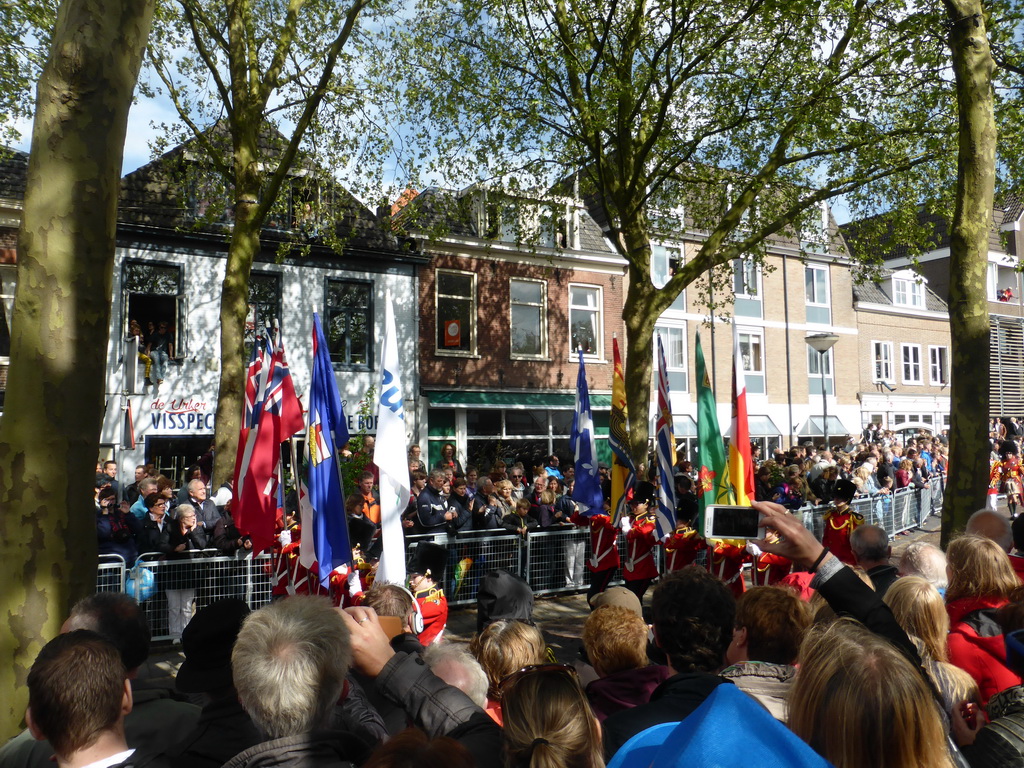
<point>666,445</point>
<point>327,433</point>
<point>390,456</point>
<point>587,491</point>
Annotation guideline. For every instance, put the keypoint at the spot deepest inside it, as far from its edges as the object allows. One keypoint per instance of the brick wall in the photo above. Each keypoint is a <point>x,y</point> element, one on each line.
<point>493,366</point>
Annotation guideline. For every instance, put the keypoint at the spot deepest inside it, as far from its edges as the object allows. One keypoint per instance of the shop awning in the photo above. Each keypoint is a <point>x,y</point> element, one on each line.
<point>761,426</point>
<point>551,400</point>
<point>812,428</point>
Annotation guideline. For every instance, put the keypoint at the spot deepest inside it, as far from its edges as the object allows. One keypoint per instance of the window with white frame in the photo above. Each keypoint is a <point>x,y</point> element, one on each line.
<point>585,323</point>
<point>747,288</point>
<point>881,354</point>
<point>814,369</point>
<point>819,309</point>
<point>455,297</point>
<point>911,357</point>
<point>665,259</point>
<point>529,332</point>
<point>908,292</point>
<point>752,357</point>
<point>673,339</point>
<point>938,366</point>
<point>745,273</point>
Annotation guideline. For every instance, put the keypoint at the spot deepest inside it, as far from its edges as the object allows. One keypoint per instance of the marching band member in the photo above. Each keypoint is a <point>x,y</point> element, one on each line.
<point>727,559</point>
<point>840,520</point>
<point>640,568</point>
<point>604,549</point>
<point>1005,476</point>
<point>426,574</point>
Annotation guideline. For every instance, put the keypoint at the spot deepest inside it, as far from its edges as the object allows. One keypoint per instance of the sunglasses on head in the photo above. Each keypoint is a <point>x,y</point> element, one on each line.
<point>564,669</point>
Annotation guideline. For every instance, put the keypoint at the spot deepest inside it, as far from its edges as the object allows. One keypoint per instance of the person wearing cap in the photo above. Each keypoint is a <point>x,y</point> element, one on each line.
<point>425,575</point>
<point>604,550</point>
<point>224,728</point>
<point>640,568</point>
<point>840,521</point>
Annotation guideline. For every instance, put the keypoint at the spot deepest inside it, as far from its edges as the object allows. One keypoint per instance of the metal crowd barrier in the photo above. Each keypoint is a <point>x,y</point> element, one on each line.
<point>545,558</point>
<point>211,575</point>
<point>895,512</point>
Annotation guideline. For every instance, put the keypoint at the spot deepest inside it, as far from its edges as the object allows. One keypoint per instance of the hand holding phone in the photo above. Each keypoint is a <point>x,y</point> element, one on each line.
<point>722,521</point>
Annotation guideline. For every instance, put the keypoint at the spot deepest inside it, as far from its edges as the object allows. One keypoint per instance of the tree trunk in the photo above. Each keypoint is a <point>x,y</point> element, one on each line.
<point>49,434</point>
<point>234,307</point>
<point>639,314</point>
<point>968,306</point>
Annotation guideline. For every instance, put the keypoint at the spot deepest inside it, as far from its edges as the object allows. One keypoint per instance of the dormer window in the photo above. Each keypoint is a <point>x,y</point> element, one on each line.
<point>526,221</point>
<point>908,290</point>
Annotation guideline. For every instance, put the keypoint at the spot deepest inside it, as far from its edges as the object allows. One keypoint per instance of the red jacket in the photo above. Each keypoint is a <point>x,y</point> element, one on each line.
<point>604,535</point>
<point>1017,561</point>
<point>640,543</point>
<point>727,564</point>
<point>976,644</point>
<point>839,524</point>
<point>682,548</point>
<point>769,569</point>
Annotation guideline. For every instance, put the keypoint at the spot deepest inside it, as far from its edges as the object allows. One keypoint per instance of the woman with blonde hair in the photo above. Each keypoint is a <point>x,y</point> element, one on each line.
<point>981,580</point>
<point>919,609</point>
<point>547,720</point>
<point>860,703</point>
<point>502,649</point>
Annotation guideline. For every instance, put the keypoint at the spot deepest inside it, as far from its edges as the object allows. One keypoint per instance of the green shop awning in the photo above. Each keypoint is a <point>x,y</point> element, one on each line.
<point>551,400</point>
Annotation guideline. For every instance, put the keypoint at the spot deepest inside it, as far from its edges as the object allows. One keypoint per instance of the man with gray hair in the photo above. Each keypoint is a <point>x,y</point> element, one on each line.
<point>927,561</point>
<point>147,486</point>
<point>289,665</point>
<point>454,664</point>
<point>870,545</point>
<point>207,514</point>
<point>991,525</point>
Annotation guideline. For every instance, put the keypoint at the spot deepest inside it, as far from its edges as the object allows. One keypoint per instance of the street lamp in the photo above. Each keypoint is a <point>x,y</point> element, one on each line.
<point>822,343</point>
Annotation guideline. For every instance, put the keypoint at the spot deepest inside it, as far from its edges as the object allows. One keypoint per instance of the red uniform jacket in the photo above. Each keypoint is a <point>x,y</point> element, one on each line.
<point>727,564</point>
<point>434,609</point>
<point>769,569</point>
<point>682,548</point>
<point>604,536</point>
<point>640,543</point>
<point>839,524</point>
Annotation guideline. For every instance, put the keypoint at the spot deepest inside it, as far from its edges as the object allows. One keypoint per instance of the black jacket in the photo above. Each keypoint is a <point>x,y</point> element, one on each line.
<point>431,506</point>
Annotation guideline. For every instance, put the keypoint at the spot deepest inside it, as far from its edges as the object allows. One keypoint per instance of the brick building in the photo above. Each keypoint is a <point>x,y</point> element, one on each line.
<point>513,287</point>
<point>904,353</point>
<point>1004,290</point>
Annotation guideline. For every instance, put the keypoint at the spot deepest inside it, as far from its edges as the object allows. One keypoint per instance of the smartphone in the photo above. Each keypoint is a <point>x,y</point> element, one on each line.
<point>727,522</point>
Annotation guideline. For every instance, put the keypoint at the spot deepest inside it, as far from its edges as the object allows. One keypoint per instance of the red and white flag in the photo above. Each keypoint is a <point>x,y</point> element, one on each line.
<point>259,474</point>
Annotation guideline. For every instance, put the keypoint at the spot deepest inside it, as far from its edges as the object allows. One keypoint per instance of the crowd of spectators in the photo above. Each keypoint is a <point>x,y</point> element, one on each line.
<point>911,663</point>
<point>853,659</point>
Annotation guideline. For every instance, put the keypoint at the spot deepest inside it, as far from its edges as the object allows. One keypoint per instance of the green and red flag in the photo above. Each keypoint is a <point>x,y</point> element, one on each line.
<point>712,475</point>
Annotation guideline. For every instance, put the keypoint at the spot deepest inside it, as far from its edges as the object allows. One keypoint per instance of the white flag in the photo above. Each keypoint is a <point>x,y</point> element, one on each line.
<point>390,456</point>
